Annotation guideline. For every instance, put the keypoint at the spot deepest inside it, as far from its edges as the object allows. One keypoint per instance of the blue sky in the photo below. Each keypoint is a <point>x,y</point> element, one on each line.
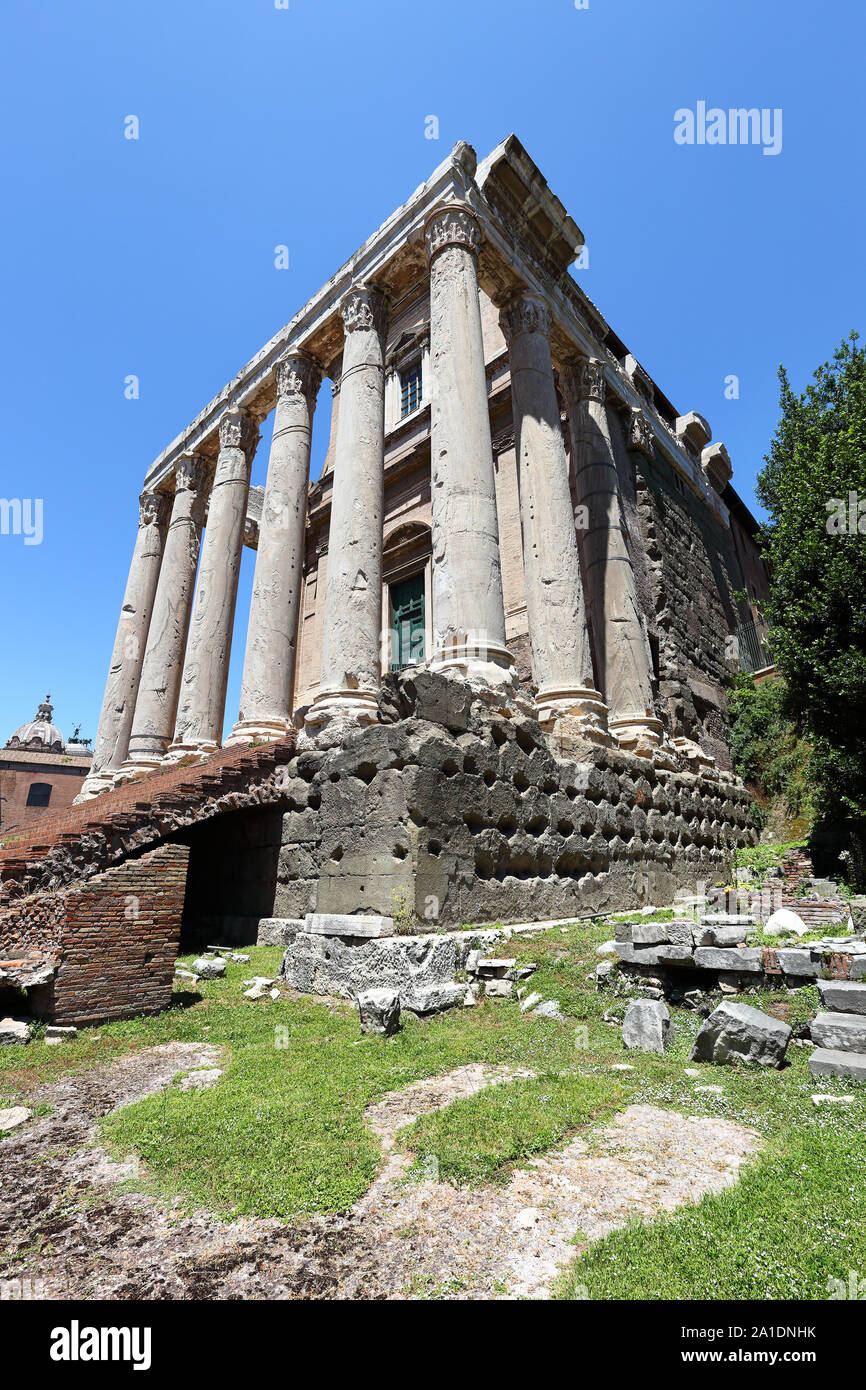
<point>263,126</point>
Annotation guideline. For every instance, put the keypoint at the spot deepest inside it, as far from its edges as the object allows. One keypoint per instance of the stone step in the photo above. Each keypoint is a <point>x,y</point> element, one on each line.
<point>829,1061</point>
<point>727,919</point>
<point>840,1032</point>
<point>843,996</point>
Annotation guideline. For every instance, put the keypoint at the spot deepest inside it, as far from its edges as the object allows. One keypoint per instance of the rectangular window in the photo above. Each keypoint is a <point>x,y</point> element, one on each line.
<point>39,794</point>
<point>410,389</point>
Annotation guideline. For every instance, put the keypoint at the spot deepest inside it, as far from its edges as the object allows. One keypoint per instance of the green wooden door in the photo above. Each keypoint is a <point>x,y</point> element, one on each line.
<point>407,622</point>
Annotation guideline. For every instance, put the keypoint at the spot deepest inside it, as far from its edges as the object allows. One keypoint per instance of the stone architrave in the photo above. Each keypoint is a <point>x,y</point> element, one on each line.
<point>156,707</point>
<point>124,674</point>
<point>621,649</point>
<point>558,634</point>
<point>468,608</point>
<point>352,622</point>
<point>269,662</point>
<point>205,673</point>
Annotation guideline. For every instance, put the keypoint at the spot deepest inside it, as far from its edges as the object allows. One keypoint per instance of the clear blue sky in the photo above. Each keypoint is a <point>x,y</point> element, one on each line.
<point>305,126</point>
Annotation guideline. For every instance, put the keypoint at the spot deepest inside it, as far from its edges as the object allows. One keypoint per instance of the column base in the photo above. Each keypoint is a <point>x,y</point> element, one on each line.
<point>137,767</point>
<point>94,784</point>
<point>346,705</point>
<point>486,662</point>
<point>248,731</point>
<point>190,748</point>
<point>640,734</point>
<point>581,705</point>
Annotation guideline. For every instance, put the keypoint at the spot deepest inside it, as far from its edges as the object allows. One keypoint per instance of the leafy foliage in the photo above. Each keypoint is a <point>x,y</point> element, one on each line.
<point>767,750</point>
<point>817,463</point>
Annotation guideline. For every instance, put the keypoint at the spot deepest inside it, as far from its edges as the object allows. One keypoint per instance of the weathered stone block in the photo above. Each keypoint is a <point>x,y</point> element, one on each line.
<point>649,933</point>
<point>498,989</point>
<point>14,1031</point>
<point>347,924</point>
<point>798,962</point>
<point>784,922</point>
<point>736,1033</point>
<point>675,954</point>
<point>840,1032</point>
<point>435,998</point>
<point>826,1061</point>
<point>715,958</point>
<point>209,969</point>
<point>379,1011</point>
<point>279,931</point>
<point>647,1025</point>
<point>843,996</point>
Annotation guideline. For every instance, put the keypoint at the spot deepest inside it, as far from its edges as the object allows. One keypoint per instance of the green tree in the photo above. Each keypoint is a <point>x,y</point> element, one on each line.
<point>767,749</point>
<point>813,485</point>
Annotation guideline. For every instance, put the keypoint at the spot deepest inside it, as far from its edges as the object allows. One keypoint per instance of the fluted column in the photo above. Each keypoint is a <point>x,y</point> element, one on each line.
<point>561,656</point>
<point>468,609</point>
<point>156,706</point>
<point>352,620</point>
<point>205,673</point>
<point>622,654</point>
<point>269,662</point>
<point>124,674</point>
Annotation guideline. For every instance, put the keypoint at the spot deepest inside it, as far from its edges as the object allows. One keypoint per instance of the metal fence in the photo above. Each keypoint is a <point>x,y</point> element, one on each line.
<point>753,651</point>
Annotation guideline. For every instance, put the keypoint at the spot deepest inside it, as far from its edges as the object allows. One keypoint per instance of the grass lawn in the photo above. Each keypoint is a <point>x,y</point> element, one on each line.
<point>282,1134</point>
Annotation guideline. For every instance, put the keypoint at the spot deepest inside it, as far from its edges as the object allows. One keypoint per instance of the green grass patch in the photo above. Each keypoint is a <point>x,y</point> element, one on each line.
<point>283,1134</point>
<point>479,1138</point>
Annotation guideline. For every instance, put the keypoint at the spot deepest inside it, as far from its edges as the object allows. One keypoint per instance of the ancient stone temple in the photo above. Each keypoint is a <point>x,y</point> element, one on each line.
<point>498,627</point>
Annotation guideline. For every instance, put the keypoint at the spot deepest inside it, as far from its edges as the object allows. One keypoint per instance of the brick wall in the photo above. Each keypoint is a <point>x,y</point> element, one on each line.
<point>115,940</point>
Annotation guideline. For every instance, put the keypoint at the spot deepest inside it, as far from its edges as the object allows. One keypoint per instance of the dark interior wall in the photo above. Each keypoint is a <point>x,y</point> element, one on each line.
<point>232,877</point>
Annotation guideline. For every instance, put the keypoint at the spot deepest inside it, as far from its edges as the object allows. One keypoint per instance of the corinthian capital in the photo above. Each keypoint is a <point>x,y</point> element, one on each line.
<point>153,509</point>
<point>189,472</point>
<point>452,226</point>
<point>298,375</point>
<point>583,380</point>
<point>640,434</point>
<point>525,313</point>
<point>364,309</point>
<point>238,430</point>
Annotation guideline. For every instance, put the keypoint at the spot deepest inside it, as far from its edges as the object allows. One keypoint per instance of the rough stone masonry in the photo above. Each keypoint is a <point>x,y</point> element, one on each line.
<point>467,816</point>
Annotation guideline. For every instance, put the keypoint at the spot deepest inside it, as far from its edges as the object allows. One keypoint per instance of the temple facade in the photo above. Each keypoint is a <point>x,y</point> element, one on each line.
<point>508,498</point>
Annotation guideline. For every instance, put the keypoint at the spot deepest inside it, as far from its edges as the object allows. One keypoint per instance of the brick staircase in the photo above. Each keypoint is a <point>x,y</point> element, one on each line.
<point>88,838</point>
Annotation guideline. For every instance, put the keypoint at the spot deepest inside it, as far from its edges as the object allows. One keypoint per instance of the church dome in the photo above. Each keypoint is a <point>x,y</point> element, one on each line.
<point>40,735</point>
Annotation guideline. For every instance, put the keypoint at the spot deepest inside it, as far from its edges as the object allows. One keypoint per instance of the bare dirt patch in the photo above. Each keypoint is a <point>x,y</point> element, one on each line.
<point>65,1220</point>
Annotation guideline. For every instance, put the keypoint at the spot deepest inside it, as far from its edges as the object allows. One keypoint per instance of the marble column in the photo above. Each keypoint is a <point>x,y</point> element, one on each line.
<point>352,617</point>
<point>269,662</point>
<point>124,673</point>
<point>561,655</point>
<point>621,647</point>
<point>202,700</point>
<point>158,692</point>
<point>468,609</point>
